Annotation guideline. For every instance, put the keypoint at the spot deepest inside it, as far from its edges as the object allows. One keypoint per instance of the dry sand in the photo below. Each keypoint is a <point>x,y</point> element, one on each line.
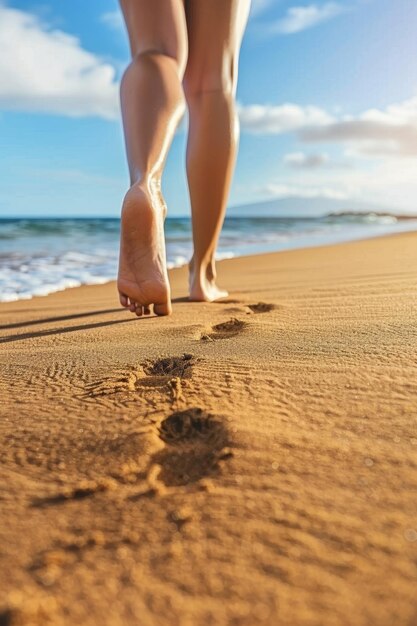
<point>249,462</point>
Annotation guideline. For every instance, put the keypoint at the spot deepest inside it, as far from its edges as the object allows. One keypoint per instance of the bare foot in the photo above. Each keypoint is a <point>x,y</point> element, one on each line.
<point>143,278</point>
<point>203,286</point>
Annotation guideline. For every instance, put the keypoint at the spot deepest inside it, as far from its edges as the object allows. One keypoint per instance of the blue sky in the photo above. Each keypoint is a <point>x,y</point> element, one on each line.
<point>327,100</point>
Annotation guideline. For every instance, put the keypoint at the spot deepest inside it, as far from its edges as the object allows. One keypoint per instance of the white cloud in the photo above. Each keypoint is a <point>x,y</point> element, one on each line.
<point>300,160</point>
<point>387,183</point>
<point>113,19</point>
<point>386,133</point>
<point>48,71</point>
<point>273,120</point>
<point>391,132</point>
<point>375,132</point>
<point>301,18</point>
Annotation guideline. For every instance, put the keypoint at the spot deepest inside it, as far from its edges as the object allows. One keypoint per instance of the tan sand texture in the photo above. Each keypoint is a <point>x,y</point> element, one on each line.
<point>249,462</point>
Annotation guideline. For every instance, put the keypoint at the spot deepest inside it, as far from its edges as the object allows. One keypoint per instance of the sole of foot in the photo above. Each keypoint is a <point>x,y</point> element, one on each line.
<point>142,279</point>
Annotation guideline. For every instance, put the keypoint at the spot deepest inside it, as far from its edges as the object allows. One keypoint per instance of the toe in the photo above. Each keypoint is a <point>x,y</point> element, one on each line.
<point>146,310</point>
<point>162,309</point>
<point>132,306</point>
<point>123,299</point>
<point>139,311</point>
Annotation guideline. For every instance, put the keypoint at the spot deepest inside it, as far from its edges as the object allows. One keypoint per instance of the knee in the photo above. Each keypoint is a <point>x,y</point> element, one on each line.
<point>218,76</point>
<point>160,55</point>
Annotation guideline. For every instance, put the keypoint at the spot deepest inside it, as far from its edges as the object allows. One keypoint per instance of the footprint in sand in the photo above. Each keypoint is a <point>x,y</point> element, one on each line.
<point>150,374</point>
<point>195,443</point>
<point>169,367</point>
<point>224,330</point>
<point>249,309</point>
<point>261,307</point>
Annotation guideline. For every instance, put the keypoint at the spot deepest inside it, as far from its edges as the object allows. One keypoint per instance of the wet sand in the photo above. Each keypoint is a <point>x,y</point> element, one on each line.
<point>249,462</point>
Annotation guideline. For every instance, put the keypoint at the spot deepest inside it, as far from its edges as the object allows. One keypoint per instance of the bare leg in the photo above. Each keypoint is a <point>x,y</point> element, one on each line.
<point>152,104</point>
<point>215,30</point>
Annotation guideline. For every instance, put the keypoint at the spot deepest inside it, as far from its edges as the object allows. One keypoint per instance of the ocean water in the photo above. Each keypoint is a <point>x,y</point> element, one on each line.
<point>40,256</point>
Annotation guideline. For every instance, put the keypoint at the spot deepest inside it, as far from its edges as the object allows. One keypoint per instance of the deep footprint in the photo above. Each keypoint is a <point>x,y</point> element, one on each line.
<point>149,374</point>
<point>190,424</point>
<point>180,367</point>
<point>224,330</point>
<point>161,372</point>
<point>195,441</point>
<point>261,307</point>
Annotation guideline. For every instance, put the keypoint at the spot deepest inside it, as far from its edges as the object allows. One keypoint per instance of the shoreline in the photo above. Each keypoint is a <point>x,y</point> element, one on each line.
<point>249,462</point>
<point>221,260</point>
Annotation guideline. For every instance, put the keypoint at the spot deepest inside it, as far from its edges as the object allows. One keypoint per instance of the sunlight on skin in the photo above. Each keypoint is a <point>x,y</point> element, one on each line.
<point>169,44</point>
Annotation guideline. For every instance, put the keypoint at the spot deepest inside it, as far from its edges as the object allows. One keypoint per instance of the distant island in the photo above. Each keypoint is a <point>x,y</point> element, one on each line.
<point>315,207</point>
<point>371,213</point>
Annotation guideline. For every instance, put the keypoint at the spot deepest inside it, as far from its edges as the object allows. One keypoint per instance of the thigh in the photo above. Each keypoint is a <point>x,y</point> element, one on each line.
<point>157,26</point>
<point>215,31</point>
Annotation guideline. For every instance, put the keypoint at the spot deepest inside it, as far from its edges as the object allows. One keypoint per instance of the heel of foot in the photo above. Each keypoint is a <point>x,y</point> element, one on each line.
<point>208,292</point>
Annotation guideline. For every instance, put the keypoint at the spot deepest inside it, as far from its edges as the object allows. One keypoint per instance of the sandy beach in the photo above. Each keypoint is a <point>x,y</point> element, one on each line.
<point>248,462</point>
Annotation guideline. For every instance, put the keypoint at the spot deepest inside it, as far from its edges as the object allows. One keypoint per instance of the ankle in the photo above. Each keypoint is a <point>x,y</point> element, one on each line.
<point>145,194</point>
<point>211,270</point>
<point>148,182</point>
<point>203,268</point>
